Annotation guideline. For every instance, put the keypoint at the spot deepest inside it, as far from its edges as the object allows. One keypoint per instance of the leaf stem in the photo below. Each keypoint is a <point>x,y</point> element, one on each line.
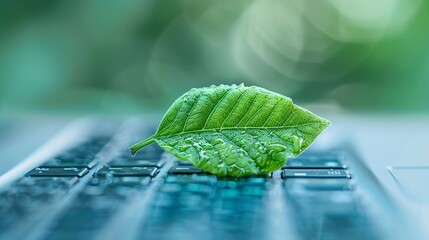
<point>136,147</point>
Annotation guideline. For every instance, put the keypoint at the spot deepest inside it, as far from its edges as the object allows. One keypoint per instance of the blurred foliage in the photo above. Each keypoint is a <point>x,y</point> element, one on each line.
<point>137,56</point>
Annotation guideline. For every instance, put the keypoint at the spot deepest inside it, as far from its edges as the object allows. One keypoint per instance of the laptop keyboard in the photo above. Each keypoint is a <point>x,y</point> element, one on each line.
<point>81,192</point>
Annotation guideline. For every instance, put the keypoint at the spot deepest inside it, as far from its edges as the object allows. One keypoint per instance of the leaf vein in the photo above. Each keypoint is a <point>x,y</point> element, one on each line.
<point>171,122</point>
<point>233,108</point>
<point>248,109</point>
<point>190,112</point>
<point>253,115</point>
<point>287,119</point>
<point>216,106</point>
<point>271,113</point>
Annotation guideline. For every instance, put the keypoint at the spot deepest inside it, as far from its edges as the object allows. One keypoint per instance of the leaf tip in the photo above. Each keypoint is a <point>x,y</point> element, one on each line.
<point>326,123</point>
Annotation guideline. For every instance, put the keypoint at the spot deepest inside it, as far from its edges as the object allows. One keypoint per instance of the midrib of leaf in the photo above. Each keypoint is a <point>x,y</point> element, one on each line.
<point>236,128</point>
<point>151,139</point>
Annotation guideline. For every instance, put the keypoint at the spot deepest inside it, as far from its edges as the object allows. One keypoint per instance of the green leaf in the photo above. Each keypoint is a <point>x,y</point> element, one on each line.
<point>235,130</point>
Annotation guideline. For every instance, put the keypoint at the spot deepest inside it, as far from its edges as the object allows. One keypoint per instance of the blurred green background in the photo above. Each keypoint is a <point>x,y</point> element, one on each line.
<point>137,56</point>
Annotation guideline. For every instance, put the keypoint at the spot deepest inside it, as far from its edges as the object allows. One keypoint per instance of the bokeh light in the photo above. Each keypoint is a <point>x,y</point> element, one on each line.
<point>133,57</point>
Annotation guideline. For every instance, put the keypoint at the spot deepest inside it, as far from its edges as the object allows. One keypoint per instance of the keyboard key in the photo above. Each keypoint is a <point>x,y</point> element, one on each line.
<point>327,184</point>
<point>184,163</point>
<point>198,188</point>
<point>121,162</point>
<point>232,182</point>
<point>58,172</point>
<point>127,171</point>
<point>132,181</point>
<point>255,191</point>
<point>46,182</point>
<point>171,188</point>
<point>315,173</point>
<point>314,162</point>
<point>185,170</point>
<point>191,178</point>
<point>228,193</point>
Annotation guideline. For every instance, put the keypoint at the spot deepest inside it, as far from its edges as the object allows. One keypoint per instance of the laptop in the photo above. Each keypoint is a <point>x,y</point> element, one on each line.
<point>365,177</point>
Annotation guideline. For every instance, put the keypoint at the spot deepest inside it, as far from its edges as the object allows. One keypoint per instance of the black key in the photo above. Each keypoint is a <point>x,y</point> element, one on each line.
<point>185,170</point>
<point>58,172</point>
<point>315,173</point>
<point>73,162</point>
<point>314,162</point>
<point>127,171</point>
<point>121,162</point>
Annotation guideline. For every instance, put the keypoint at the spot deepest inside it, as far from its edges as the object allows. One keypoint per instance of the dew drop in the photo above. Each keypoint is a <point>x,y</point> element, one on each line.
<point>277,147</point>
<point>184,147</point>
<point>218,141</point>
<point>260,147</point>
<point>297,143</point>
<point>168,148</point>
<point>203,155</point>
<point>182,155</point>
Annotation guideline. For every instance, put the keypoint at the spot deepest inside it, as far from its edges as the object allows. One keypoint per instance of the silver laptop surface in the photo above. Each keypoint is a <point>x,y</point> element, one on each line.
<point>364,178</point>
